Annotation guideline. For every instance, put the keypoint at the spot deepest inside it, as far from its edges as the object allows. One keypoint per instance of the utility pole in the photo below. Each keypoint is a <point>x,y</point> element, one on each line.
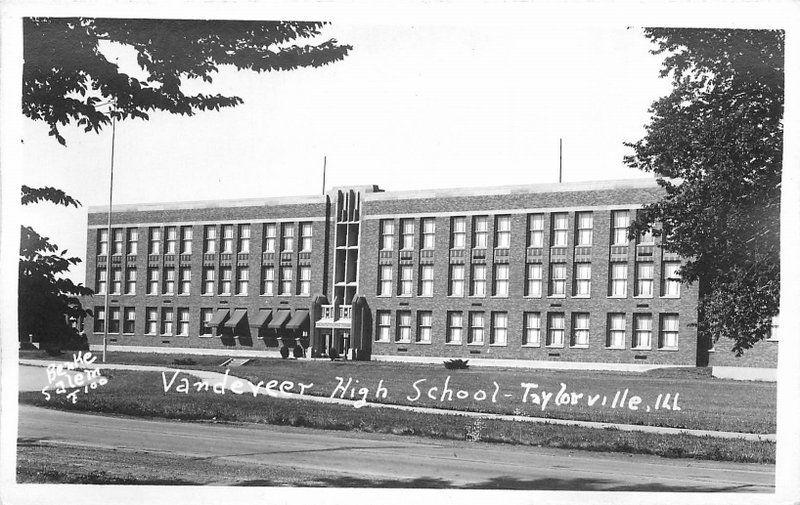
<point>106,315</point>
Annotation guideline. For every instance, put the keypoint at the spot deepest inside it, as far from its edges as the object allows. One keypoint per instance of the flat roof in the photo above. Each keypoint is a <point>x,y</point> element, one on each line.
<point>210,204</point>
<point>563,187</point>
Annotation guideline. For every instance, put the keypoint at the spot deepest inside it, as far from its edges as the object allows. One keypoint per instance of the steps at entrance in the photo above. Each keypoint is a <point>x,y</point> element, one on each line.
<point>235,362</point>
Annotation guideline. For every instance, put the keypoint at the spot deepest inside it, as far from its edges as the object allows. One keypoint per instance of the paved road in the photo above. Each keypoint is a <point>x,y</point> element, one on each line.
<point>394,458</point>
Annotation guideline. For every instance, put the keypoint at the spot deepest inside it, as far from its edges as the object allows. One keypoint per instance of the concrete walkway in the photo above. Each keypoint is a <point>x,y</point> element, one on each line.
<point>217,378</point>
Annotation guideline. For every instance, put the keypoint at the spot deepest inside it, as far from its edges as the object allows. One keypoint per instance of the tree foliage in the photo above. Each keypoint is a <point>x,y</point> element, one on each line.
<point>715,143</point>
<point>47,301</point>
<point>67,77</point>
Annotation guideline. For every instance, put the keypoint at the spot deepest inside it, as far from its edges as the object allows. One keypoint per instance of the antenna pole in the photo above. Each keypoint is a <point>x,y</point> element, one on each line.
<point>324,170</point>
<point>559,160</point>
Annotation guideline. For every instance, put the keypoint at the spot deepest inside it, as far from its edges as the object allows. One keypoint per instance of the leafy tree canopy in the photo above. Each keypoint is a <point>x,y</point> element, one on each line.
<point>67,78</point>
<point>715,143</point>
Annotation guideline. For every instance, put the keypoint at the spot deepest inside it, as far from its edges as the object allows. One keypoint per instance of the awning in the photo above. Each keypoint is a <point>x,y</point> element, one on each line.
<point>261,318</point>
<point>300,316</point>
<point>219,316</point>
<point>236,318</point>
<point>279,320</point>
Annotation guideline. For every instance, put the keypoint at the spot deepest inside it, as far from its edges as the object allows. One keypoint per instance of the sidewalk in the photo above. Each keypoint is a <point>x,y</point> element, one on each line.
<point>217,377</point>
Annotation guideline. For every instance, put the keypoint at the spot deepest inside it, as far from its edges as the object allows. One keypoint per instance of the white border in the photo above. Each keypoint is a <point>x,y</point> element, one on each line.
<point>752,14</point>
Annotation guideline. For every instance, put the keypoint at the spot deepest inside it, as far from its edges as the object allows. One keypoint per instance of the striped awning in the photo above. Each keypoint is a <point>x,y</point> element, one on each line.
<point>299,317</point>
<point>279,319</point>
<point>219,316</point>
<point>236,318</point>
<point>261,318</point>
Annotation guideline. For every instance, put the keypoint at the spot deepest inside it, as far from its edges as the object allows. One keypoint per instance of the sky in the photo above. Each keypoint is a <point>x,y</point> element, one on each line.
<point>411,107</point>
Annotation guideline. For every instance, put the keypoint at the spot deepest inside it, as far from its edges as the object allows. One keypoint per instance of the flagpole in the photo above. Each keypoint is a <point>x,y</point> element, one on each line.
<point>107,315</point>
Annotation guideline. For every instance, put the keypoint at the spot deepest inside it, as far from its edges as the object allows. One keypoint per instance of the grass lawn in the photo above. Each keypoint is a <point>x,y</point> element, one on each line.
<point>142,394</point>
<point>705,402</point>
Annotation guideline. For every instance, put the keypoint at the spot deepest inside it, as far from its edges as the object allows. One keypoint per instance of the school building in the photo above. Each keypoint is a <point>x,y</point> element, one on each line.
<point>522,275</point>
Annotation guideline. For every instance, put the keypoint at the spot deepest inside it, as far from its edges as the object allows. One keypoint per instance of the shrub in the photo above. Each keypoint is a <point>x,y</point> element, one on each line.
<point>184,361</point>
<point>298,352</point>
<point>333,353</point>
<point>456,364</point>
<point>284,352</point>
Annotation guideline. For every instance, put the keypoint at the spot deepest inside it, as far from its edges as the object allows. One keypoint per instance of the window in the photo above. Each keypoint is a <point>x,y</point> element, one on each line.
<point>560,229</point>
<point>669,331</point>
<point>208,280</point>
<point>186,280</point>
<point>584,228</point>
<point>476,328</point>
<point>458,232</point>
<point>133,241</point>
<point>383,320</point>
<point>206,315</point>
<point>403,326</point>
<point>227,239</point>
<point>130,281</point>
<point>500,287</point>
<point>169,280</point>
<point>456,280</point>
<point>502,232</point>
<point>286,281</point>
<point>499,335</point>
<point>116,281</point>
<point>102,242</point>
<point>424,323</point>
<point>620,220</point>
<point>119,239</point>
<point>151,322</point>
<point>129,323</point>
<point>210,239</point>
<point>644,279</point>
<point>270,237</point>
<point>406,234</point>
<point>244,238</point>
<point>305,280</point>
<point>619,279</point>
<point>616,331</point>
<point>167,320</point>
<point>428,225</point>
<point>671,284</point>
<point>645,237</point>
<point>99,319</point>
<point>480,231</point>
<point>455,327</point>
<point>533,280</point>
<point>385,280</point>
<point>306,231</point>
<point>405,284</point>
<point>171,240</point>
<point>426,280</point>
<point>583,280</point>
<point>287,237</point>
<point>478,280</point>
<point>580,329</point>
<point>555,329</point>
<point>153,281</point>
<point>268,280</point>
<point>387,235</point>
<point>186,239</point>
<point>102,281</point>
<point>535,230</point>
<point>113,320</point>
<point>242,280</point>
<point>155,241</point>
<point>532,334</point>
<point>642,331</point>
<point>225,279</point>
<point>558,279</point>
<point>183,321</point>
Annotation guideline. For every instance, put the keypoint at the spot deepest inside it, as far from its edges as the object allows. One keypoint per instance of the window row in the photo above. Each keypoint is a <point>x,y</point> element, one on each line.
<point>224,280</point>
<point>479,237</point>
<point>472,327</point>
<point>165,321</point>
<point>179,239</point>
<point>533,281</point>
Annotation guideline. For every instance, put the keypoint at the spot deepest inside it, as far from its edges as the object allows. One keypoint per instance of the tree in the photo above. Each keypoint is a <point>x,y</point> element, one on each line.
<point>715,143</point>
<point>67,78</point>
<point>47,302</point>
